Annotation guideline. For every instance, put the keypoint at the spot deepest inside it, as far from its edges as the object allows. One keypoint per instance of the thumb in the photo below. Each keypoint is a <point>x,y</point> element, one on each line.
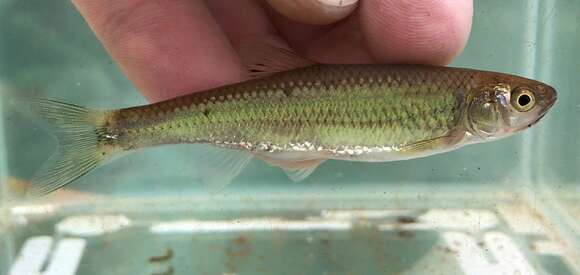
<point>314,12</point>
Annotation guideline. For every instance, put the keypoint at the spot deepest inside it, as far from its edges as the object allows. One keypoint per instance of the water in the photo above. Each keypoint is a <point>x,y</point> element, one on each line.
<point>508,206</point>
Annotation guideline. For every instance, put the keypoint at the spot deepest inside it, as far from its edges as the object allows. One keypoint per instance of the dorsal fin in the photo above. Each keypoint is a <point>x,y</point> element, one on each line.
<point>269,55</point>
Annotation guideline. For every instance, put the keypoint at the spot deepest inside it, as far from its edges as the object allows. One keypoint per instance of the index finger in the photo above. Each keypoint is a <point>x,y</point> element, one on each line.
<point>416,31</point>
<point>166,48</point>
<point>392,31</point>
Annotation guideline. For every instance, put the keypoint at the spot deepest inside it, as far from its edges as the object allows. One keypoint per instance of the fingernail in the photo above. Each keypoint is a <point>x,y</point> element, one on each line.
<point>338,3</point>
<point>316,12</point>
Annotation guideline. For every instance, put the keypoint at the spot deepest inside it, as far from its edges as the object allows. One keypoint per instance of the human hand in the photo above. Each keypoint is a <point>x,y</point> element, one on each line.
<point>171,48</point>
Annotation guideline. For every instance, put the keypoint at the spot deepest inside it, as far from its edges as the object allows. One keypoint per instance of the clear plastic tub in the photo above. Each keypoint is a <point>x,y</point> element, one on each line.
<point>506,207</point>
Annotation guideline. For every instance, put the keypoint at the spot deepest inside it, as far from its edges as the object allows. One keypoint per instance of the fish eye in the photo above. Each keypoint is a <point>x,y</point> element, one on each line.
<point>523,99</point>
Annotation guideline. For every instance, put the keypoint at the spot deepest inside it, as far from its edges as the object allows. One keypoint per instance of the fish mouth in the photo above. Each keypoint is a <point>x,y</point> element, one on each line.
<point>552,102</point>
<point>546,109</point>
<point>537,120</point>
<point>544,112</point>
<point>531,124</point>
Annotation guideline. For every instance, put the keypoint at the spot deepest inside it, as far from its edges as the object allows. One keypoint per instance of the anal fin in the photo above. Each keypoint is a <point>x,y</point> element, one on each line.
<point>298,175</point>
<point>296,169</point>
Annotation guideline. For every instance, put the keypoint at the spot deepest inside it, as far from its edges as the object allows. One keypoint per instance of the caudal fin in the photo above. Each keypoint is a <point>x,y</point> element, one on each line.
<point>80,135</point>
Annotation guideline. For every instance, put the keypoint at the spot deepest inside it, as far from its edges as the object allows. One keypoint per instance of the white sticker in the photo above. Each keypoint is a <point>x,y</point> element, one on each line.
<point>472,259</point>
<point>92,225</point>
<point>34,254</point>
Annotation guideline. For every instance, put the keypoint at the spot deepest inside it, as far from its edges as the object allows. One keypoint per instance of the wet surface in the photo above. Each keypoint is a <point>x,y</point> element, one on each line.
<point>392,241</point>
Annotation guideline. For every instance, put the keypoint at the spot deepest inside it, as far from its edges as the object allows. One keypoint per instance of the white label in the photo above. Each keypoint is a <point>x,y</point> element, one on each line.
<point>34,253</point>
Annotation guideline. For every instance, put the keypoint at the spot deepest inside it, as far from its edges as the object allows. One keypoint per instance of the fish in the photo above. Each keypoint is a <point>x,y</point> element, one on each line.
<point>295,114</point>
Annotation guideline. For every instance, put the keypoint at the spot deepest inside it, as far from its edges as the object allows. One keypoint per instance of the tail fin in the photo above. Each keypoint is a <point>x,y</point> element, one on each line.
<point>80,134</point>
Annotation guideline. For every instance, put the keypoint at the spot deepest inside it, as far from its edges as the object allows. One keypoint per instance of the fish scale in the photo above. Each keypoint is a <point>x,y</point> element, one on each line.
<point>374,105</point>
<point>298,118</point>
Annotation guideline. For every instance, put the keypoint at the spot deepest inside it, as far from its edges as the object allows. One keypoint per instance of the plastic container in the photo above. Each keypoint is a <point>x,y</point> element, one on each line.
<point>506,207</point>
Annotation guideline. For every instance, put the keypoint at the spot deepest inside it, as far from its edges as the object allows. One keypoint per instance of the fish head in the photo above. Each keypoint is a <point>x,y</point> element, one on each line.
<point>507,106</point>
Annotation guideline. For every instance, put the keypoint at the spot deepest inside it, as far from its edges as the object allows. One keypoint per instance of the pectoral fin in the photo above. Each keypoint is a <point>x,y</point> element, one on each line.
<point>431,144</point>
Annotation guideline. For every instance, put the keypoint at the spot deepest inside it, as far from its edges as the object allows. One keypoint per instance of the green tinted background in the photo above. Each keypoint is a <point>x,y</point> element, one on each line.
<point>47,50</point>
